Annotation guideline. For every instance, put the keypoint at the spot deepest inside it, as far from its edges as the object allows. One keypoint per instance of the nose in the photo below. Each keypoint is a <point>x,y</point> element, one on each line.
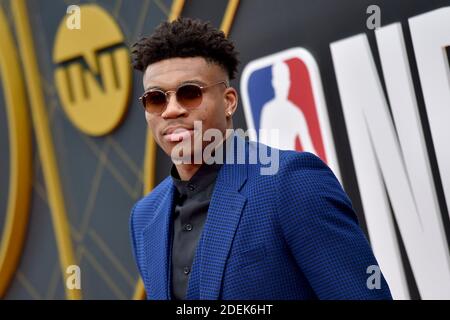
<point>173,108</point>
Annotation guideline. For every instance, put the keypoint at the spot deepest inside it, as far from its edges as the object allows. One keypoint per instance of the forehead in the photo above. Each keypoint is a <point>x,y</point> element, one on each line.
<point>169,73</point>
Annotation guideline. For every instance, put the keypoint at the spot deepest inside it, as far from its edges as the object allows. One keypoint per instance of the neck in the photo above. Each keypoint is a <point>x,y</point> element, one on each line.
<point>187,171</point>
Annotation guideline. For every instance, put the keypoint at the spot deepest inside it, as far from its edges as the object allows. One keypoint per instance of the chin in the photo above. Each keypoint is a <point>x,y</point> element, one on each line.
<point>186,157</point>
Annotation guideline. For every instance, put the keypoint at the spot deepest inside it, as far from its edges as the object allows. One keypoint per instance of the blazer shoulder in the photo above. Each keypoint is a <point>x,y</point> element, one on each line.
<point>306,167</point>
<point>144,208</point>
<point>141,214</point>
<point>305,176</point>
<point>288,159</point>
<point>294,160</point>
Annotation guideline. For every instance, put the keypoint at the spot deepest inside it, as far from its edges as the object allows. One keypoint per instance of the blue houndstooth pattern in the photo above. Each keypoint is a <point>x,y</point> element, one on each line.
<point>292,235</point>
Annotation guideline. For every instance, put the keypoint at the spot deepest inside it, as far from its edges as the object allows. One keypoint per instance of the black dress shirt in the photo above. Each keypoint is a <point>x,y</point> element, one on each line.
<point>191,205</point>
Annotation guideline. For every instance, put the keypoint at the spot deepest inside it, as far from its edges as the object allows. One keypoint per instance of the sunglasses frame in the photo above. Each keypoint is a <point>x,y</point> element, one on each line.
<point>167,94</point>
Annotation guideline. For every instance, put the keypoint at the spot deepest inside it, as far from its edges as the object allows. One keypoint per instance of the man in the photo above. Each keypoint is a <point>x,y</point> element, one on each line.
<point>230,230</point>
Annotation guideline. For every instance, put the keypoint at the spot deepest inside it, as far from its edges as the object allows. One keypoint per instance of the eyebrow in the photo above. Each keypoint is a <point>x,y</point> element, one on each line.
<point>199,82</point>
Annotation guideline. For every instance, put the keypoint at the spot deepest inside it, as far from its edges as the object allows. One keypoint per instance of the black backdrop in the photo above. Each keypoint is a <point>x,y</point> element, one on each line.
<point>263,27</point>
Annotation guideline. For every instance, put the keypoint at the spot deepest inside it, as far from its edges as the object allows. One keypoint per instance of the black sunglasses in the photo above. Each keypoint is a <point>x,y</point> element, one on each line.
<point>189,95</point>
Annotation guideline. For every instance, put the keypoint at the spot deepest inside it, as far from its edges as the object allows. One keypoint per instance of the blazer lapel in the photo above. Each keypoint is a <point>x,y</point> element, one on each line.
<point>156,239</point>
<point>221,223</point>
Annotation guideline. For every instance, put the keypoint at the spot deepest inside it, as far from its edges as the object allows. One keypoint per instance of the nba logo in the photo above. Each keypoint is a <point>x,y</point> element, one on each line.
<point>283,93</point>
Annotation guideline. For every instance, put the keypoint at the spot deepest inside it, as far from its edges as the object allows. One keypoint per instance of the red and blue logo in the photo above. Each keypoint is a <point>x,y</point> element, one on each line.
<point>282,93</point>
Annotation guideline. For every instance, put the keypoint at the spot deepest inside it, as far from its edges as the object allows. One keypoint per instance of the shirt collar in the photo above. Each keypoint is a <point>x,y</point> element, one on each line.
<point>204,176</point>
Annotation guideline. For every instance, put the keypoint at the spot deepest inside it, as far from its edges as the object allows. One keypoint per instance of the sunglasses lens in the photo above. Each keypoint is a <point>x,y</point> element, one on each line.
<point>189,95</point>
<point>155,101</point>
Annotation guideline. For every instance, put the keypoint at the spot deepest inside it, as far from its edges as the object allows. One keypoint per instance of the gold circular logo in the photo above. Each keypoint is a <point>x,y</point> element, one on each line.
<point>93,77</point>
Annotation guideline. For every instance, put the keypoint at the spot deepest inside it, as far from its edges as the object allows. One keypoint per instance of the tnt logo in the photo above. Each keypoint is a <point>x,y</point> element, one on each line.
<point>93,74</point>
<point>283,92</point>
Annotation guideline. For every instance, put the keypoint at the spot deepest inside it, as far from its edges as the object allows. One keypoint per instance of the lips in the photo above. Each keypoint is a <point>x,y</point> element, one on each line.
<point>177,134</point>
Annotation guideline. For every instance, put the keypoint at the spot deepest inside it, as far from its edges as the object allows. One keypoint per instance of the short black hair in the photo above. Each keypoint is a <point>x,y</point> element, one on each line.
<point>183,38</point>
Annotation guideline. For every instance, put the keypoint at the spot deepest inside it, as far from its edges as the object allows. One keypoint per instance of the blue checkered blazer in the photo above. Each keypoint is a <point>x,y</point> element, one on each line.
<point>292,235</point>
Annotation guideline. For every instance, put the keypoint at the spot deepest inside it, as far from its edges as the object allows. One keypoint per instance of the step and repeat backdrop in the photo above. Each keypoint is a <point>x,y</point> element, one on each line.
<point>365,85</point>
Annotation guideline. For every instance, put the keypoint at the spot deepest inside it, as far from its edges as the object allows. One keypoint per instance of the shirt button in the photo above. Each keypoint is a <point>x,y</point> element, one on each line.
<point>191,187</point>
<point>186,270</point>
<point>187,227</point>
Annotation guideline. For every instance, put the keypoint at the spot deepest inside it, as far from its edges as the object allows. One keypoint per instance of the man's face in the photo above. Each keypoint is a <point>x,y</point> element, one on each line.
<point>212,111</point>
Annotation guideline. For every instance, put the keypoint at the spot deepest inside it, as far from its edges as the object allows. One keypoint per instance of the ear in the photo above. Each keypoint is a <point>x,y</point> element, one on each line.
<point>231,100</point>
